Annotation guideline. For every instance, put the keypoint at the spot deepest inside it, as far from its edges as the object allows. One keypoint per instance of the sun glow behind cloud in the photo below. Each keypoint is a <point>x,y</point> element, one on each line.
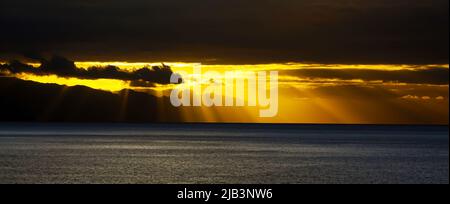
<point>302,98</point>
<point>101,84</point>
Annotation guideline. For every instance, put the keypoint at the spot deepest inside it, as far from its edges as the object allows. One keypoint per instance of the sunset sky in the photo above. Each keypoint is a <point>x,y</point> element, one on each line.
<point>339,61</point>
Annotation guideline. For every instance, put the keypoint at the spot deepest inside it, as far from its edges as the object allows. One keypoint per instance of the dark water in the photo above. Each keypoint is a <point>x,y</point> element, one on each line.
<point>112,153</point>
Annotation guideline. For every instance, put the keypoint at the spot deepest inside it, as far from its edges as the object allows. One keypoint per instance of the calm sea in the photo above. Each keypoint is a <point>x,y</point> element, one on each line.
<point>222,153</point>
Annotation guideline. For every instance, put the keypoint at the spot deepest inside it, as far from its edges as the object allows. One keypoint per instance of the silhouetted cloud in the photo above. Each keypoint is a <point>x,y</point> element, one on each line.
<point>65,68</point>
<point>433,75</point>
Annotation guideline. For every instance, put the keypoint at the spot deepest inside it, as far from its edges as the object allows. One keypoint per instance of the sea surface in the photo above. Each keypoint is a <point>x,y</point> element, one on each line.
<point>222,153</point>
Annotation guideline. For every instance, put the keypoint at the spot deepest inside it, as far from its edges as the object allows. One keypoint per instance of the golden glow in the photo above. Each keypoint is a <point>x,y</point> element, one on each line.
<point>191,79</point>
<point>302,99</point>
<point>101,84</point>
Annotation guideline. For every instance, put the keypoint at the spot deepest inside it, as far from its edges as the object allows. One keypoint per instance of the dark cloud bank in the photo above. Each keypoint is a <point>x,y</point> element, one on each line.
<point>432,75</point>
<point>63,67</point>
<point>230,31</point>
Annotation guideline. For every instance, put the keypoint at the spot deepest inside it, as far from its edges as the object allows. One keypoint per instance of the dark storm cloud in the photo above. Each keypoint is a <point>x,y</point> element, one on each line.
<point>65,68</point>
<point>432,75</point>
<point>230,31</point>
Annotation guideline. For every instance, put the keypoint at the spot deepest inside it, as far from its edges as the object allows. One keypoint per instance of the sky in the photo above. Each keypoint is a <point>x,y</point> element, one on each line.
<point>230,31</point>
<point>340,61</point>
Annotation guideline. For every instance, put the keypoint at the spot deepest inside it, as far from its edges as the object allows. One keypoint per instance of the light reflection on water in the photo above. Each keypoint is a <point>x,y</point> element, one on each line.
<point>222,154</point>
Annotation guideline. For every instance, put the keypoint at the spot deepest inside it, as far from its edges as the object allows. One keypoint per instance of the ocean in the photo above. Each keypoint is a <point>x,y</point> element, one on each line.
<point>222,153</point>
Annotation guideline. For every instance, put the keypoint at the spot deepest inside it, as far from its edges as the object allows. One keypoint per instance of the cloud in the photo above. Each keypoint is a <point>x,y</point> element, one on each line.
<point>432,75</point>
<point>63,67</point>
<point>411,97</point>
<point>415,97</point>
<point>354,92</point>
<point>231,31</point>
<point>373,92</point>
